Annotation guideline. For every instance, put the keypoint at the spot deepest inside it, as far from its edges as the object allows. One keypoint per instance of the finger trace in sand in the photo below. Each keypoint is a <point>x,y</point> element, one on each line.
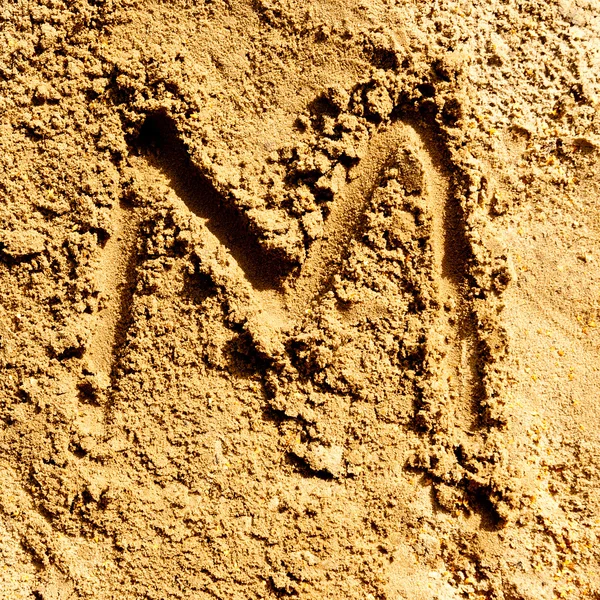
<point>167,157</point>
<point>224,220</point>
<point>117,282</point>
<point>346,215</point>
<point>456,323</point>
<point>279,301</point>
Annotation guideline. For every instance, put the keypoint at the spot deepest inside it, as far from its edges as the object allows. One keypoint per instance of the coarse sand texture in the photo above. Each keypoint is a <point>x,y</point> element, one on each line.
<point>299,299</point>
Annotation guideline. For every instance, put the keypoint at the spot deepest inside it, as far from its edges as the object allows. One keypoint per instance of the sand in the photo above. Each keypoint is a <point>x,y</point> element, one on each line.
<point>299,299</point>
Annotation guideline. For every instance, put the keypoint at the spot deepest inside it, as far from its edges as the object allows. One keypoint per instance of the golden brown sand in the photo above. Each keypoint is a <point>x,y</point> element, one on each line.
<point>299,299</point>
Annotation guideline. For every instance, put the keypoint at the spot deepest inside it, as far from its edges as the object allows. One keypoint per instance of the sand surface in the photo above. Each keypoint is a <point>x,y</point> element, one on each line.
<point>299,299</point>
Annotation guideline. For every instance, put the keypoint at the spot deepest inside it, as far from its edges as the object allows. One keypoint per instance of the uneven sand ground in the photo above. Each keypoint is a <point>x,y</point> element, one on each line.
<point>299,299</point>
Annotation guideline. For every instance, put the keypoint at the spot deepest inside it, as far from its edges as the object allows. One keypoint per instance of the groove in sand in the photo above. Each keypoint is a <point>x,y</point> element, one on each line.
<point>344,220</point>
<point>117,282</point>
<point>279,302</point>
<point>456,323</point>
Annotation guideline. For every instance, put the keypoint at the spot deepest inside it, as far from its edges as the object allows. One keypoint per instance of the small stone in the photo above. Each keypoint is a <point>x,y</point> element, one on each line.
<point>410,170</point>
<point>338,97</point>
<point>325,458</point>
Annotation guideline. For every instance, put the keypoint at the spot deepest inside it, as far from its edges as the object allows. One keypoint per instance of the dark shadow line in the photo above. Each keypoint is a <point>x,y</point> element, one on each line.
<point>162,147</point>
